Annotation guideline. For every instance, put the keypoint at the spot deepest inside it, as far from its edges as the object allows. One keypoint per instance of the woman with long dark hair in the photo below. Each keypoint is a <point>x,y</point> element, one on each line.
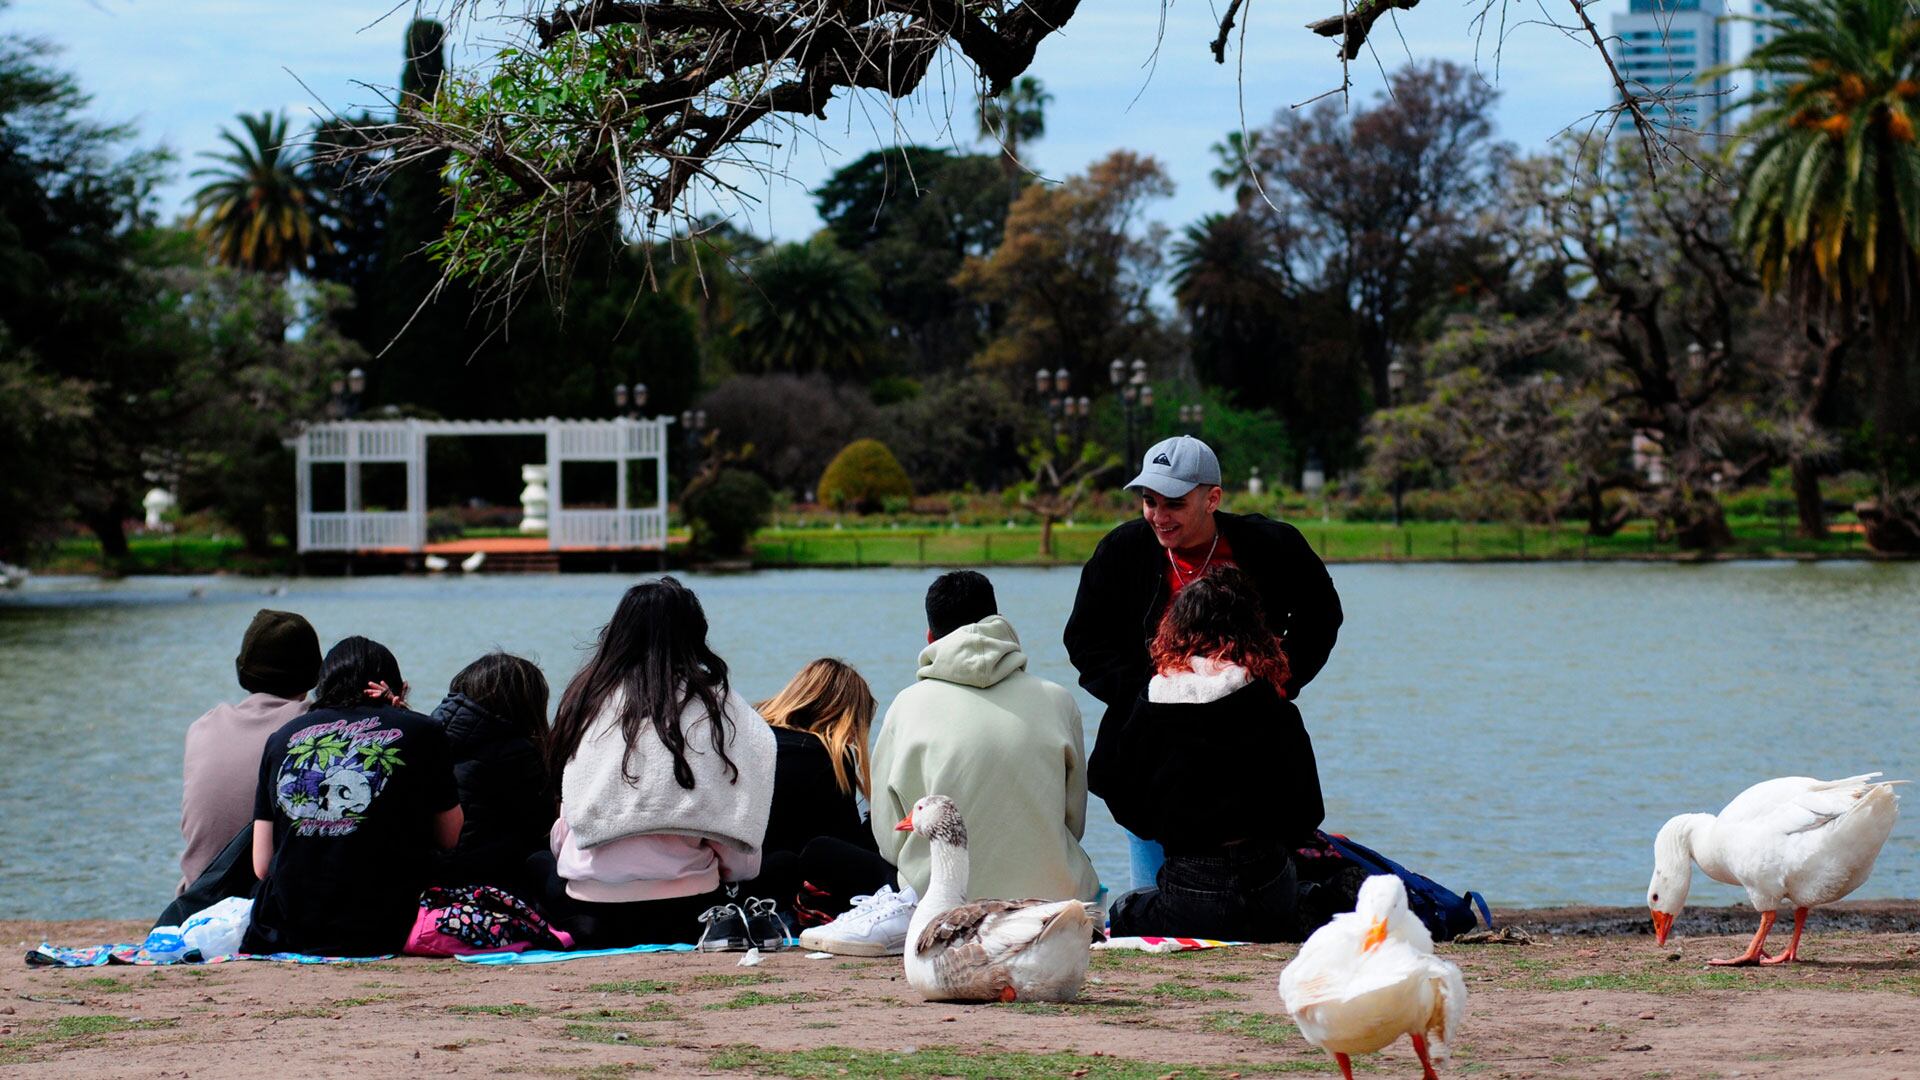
<point>495,717</point>
<point>666,777</point>
<point>1215,765</point>
<point>354,796</point>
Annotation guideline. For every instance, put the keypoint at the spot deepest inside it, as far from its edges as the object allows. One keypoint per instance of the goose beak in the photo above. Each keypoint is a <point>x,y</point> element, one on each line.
<point>906,824</point>
<point>1662,923</point>
<point>1376,934</point>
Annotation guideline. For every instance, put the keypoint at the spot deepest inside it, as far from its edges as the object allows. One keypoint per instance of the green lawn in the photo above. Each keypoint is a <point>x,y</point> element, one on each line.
<point>878,544</point>
<point>1337,541</point>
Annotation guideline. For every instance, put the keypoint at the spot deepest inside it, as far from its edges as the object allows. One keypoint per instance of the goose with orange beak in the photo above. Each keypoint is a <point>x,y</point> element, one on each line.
<point>1794,842</point>
<point>989,950</point>
<point>1369,977</point>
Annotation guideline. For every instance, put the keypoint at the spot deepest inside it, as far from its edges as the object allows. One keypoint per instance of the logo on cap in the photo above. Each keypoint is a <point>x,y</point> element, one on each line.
<point>1161,459</point>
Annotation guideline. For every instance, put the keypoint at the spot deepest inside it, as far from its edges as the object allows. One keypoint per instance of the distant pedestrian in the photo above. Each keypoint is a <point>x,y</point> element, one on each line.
<point>1141,565</point>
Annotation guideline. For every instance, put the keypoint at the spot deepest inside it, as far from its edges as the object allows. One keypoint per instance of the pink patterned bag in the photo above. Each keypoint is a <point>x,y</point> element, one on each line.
<point>468,919</point>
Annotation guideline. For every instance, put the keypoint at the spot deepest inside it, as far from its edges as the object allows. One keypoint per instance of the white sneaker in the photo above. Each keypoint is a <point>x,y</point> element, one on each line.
<point>875,926</point>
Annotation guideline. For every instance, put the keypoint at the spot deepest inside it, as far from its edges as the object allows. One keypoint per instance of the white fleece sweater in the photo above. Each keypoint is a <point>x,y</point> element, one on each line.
<point>600,805</point>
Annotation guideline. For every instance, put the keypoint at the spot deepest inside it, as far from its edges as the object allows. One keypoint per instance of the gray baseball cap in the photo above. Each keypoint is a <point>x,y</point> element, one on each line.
<point>1176,466</point>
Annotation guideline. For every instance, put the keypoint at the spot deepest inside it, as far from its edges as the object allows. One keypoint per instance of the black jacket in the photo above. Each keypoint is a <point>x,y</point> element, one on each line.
<point>504,793</point>
<point>1123,590</point>
<point>807,802</point>
<point>1196,777</point>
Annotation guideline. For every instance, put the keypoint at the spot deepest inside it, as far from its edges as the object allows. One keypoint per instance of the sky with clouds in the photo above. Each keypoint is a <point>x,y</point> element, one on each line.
<point>1123,73</point>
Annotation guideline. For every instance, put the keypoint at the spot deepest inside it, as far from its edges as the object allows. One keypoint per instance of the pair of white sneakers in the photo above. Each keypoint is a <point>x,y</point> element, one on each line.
<point>876,925</point>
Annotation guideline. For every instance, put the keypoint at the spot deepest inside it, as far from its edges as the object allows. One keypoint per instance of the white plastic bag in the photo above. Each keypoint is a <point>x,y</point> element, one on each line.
<point>218,930</point>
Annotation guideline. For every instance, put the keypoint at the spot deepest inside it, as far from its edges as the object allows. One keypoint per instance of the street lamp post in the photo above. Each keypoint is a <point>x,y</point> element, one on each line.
<point>692,423</point>
<point>630,403</point>
<point>344,392</point>
<point>1396,382</point>
<point>1192,417</point>
<point>1136,395</point>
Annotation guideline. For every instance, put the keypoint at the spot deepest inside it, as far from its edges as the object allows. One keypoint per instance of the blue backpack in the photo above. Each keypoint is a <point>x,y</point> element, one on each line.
<point>1446,913</point>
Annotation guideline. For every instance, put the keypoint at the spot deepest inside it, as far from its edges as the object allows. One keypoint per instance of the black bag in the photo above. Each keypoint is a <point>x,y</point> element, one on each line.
<point>229,874</point>
<point>1447,914</point>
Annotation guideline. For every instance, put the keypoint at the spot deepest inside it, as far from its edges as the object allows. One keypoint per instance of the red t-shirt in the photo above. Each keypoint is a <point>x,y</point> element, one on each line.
<point>1184,567</point>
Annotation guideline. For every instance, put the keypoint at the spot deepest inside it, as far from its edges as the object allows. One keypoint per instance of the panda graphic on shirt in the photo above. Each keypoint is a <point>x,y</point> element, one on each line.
<point>333,772</point>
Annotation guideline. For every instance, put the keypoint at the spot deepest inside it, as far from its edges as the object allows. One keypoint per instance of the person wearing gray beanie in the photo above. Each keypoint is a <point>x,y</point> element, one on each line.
<point>279,662</point>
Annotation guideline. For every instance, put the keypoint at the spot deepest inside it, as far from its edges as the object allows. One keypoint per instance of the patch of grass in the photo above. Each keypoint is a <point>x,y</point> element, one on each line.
<point>617,1016</point>
<point>1230,977</point>
<point>1181,991</point>
<point>633,986</point>
<point>752,999</point>
<point>611,1071</point>
<point>603,1033</point>
<point>69,1033</point>
<point>1657,982</point>
<point>1266,1028</point>
<point>493,1010</point>
<point>708,982</point>
<point>106,984</point>
<point>944,1061</point>
<point>356,1002</point>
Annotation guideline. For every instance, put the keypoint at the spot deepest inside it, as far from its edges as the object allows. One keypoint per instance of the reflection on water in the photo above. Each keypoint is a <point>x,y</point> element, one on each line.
<point>1522,730</point>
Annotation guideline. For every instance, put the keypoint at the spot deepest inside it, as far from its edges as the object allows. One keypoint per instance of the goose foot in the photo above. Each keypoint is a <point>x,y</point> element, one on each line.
<point>1346,1065</point>
<point>1756,949</point>
<point>1793,946</point>
<point>1426,1063</point>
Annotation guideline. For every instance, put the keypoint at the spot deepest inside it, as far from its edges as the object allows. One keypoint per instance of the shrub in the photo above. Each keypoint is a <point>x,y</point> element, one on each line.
<point>862,476</point>
<point>727,510</point>
<point>794,425</point>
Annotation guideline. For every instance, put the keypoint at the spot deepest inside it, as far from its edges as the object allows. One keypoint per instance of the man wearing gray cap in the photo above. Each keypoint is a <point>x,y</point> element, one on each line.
<point>1141,565</point>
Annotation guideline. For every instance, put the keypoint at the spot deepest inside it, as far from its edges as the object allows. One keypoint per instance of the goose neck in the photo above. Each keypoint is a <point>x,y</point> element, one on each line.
<point>947,884</point>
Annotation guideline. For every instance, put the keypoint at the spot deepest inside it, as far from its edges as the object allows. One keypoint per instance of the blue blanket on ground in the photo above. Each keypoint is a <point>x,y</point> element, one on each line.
<point>545,956</point>
<point>98,955</point>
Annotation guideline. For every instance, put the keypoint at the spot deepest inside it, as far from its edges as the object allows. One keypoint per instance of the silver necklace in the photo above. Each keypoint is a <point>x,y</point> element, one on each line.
<point>1208,561</point>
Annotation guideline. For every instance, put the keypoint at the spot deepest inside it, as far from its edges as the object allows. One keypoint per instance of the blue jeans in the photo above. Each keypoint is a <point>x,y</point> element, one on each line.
<point>1144,858</point>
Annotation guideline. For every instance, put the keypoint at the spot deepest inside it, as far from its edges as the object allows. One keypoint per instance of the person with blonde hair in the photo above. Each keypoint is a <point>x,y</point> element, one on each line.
<point>821,774</point>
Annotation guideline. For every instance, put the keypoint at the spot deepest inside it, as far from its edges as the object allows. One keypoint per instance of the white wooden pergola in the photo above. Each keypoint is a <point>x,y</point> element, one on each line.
<point>354,443</point>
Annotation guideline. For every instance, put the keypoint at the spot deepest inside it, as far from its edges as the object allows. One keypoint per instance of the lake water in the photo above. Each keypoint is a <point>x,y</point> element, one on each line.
<point>1521,730</point>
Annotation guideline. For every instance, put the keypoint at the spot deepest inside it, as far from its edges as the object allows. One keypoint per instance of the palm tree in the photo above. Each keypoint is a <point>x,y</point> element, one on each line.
<point>259,211</point>
<point>1016,117</point>
<point>808,307</point>
<point>1236,172</point>
<point>1230,282</point>
<point>1829,210</point>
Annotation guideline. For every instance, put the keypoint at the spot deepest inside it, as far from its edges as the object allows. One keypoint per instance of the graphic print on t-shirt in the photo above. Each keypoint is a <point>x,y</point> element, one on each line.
<point>333,772</point>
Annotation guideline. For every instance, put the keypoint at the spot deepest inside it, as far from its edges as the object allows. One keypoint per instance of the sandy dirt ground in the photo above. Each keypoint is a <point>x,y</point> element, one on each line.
<point>1576,1002</point>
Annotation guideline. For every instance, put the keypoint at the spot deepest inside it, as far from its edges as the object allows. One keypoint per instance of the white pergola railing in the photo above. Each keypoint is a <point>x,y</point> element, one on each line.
<point>354,443</point>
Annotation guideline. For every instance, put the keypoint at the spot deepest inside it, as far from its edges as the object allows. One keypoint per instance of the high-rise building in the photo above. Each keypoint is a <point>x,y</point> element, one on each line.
<point>1761,35</point>
<point>1661,47</point>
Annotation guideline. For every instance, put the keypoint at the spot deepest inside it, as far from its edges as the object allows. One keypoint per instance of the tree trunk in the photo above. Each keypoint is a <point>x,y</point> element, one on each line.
<point>110,528</point>
<point>1699,523</point>
<point>1806,499</point>
<point>1046,535</point>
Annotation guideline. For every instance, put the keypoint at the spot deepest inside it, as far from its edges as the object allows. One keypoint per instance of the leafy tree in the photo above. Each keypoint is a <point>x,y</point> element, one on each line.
<point>1382,194</point>
<point>1014,117</point>
<point>1829,208</point>
<point>1061,478</point>
<point>258,211</point>
<point>86,395</point>
<point>914,215</point>
<point>792,425</point>
<point>808,307</point>
<point>1238,170</point>
<point>961,431</point>
<point>862,475</point>
<point>1075,272</point>
<point>1230,280</point>
<point>726,510</point>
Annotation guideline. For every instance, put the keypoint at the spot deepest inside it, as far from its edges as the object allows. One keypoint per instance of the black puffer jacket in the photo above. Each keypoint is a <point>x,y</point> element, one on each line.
<point>504,792</point>
<point>1198,776</point>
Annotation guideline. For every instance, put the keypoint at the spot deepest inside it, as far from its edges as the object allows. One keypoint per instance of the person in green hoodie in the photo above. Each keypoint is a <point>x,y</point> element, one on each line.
<point>1004,744</point>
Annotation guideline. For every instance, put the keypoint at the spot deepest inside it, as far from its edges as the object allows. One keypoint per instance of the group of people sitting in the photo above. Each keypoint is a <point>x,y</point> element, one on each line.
<point>658,799</point>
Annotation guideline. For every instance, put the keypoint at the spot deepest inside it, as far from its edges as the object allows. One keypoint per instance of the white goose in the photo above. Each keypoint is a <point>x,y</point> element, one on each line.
<point>989,950</point>
<point>1369,977</point>
<point>1795,841</point>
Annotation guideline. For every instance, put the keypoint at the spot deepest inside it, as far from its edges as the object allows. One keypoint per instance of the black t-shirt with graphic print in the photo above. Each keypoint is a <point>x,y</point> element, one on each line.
<point>352,794</point>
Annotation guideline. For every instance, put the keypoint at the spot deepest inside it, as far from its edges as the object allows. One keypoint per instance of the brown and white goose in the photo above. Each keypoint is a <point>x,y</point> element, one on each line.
<point>989,950</point>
